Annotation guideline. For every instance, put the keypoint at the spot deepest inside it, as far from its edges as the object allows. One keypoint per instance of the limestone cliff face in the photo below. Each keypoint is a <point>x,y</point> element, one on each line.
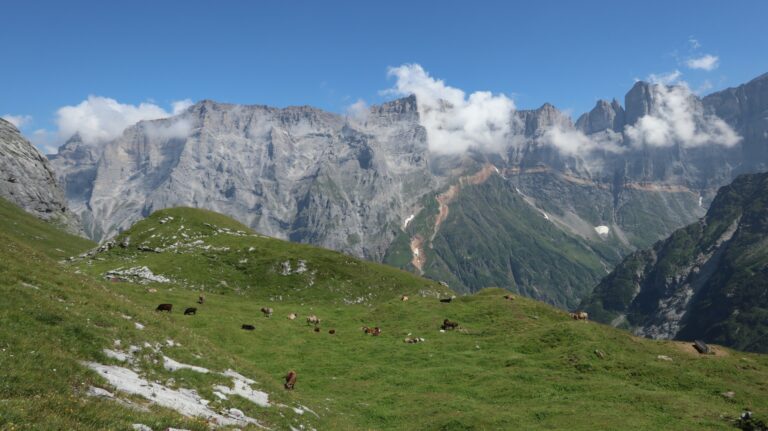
<point>297,173</point>
<point>27,180</point>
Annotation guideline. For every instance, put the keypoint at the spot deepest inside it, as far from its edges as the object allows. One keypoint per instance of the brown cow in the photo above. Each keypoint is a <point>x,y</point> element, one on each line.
<point>580,315</point>
<point>332,331</point>
<point>164,307</point>
<point>201,299</point>
<point>290,380</point>
<point>317,329</point>
<point>509,297</point>
<point>372,331</point>
<point>267,311</point>
<point>447,324</point>
<point>190,311</point>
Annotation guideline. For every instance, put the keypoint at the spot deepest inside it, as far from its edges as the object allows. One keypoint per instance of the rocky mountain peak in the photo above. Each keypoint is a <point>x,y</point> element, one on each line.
<point>604,116</point>
<point>638,101</point>
<point>535,122</point>
<point>27,179</point>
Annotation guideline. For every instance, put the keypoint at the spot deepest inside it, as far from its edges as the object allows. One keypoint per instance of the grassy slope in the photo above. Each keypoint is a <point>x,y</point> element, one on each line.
<point>44,237</point>
<point>492,237</point>
<point>520,364</point>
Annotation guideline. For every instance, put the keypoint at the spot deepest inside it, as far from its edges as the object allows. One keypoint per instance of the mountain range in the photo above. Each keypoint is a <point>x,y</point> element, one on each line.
<point>549,213</point>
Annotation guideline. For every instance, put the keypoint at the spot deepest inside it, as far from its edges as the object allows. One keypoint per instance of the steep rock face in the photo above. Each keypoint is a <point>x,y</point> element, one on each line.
<point>604,116</point>
<point>28,180</point>
<point>745,108</point>
<point>708,280</point>
<point>296,173</point>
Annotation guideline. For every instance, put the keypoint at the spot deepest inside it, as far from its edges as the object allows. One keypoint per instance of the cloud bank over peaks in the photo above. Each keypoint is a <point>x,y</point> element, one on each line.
<point>454,121</point>
<point>100,119</point>
<point>677,117</point>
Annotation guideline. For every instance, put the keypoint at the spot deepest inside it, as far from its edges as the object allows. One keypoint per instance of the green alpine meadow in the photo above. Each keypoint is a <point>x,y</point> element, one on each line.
<point>511,363</point>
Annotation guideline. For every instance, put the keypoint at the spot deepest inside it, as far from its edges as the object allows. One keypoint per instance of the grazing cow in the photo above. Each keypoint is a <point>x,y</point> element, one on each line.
<point>248,327</point>
<point>313,320</point>
<point>164,307</point>
<point>447,324</point>
<point>267,311</point>
<point>447,300</point>
<point>509,297</point>
<point>404,298</point>
<point>190,310</point>
<point>201,299</point>
<point>580,315</point>
<point>290,380</point>
<point>292,316</point>
<point>332,331</point>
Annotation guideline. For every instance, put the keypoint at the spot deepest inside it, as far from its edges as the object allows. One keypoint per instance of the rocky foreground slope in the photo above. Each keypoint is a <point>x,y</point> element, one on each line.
<point>706,281</point>
<point>27,180</point>
<point>371,187</point>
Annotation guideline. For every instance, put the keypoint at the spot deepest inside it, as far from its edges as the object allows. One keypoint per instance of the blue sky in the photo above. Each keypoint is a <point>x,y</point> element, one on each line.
<point>330,54</point>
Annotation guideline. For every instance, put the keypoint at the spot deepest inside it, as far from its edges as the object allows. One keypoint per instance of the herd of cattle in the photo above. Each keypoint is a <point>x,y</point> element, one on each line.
<point>290,378</point>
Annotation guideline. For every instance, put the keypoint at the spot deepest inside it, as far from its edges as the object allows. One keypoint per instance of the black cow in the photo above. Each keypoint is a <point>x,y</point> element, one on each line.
<point>190,310</point>
<point>248,327</point>
<point>164,307</point>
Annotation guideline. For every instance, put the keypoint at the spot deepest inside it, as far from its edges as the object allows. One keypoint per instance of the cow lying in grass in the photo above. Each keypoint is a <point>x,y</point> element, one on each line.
<point>413,340</point>
<point>447,324</point>
<point>313,320</point>
<point>190,311</point>
<point>248,327</point>
<point>376,331</point>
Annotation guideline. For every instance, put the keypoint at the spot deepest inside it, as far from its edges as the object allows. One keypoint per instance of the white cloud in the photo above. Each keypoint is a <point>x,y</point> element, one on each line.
<point>571,141</point>
<point>18,121</point>
<point>694,43</point>
<point>668,78</point>
<point>359,110</point>
<point>706,62</point>
<point>180,106</point>
<point>677,117</point>
<point>454,121</point>
<point>179,128</point>
<point>100,119</point>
